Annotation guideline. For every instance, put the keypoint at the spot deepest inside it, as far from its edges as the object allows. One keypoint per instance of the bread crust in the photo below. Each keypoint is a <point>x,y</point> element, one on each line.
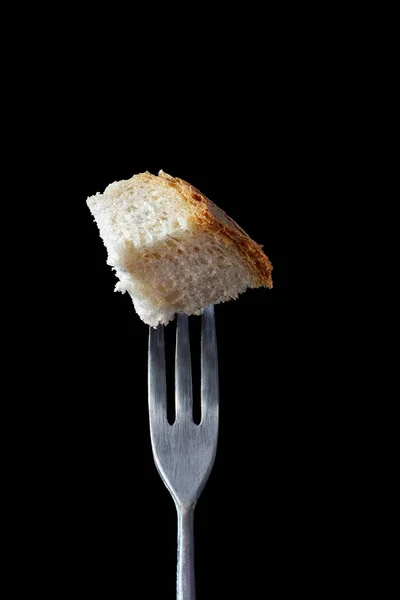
<point>211,218</point>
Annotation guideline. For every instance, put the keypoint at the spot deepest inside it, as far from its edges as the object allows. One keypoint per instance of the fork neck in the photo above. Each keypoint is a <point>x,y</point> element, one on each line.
<point>185,572</point>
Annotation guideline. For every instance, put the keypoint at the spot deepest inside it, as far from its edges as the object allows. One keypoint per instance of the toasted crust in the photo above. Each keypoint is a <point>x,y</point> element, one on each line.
<point>216,221</point>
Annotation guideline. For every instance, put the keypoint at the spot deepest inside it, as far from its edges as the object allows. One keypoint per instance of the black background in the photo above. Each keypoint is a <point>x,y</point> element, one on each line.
<point>258,112</point>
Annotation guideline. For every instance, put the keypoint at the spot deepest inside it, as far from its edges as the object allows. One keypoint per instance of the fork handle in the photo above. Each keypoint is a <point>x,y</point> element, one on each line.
<point>185,582</point>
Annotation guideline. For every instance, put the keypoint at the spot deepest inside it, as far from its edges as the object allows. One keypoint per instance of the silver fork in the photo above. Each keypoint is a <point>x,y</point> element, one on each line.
<point>184,452</point>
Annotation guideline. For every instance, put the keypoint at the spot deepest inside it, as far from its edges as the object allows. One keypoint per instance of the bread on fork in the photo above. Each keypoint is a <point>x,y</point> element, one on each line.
<point>173,250</point>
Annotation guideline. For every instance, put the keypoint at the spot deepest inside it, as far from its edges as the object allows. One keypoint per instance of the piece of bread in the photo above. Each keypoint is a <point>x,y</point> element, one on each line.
<point>172,249</point>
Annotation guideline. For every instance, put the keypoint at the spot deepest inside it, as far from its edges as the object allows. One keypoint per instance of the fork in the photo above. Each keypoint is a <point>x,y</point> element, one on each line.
<point>184,452</point>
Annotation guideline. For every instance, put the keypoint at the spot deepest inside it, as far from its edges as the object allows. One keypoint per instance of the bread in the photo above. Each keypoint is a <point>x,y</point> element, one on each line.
<point>172,249</point>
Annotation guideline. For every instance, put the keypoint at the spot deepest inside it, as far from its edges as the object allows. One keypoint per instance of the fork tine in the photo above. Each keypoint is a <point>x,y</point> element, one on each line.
<point>156,375</point>
<point>209,366</point>
<point>183,370</point>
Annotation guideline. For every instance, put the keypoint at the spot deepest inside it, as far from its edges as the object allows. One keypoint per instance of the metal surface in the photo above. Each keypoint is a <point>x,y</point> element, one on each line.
<point>184,452</point>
